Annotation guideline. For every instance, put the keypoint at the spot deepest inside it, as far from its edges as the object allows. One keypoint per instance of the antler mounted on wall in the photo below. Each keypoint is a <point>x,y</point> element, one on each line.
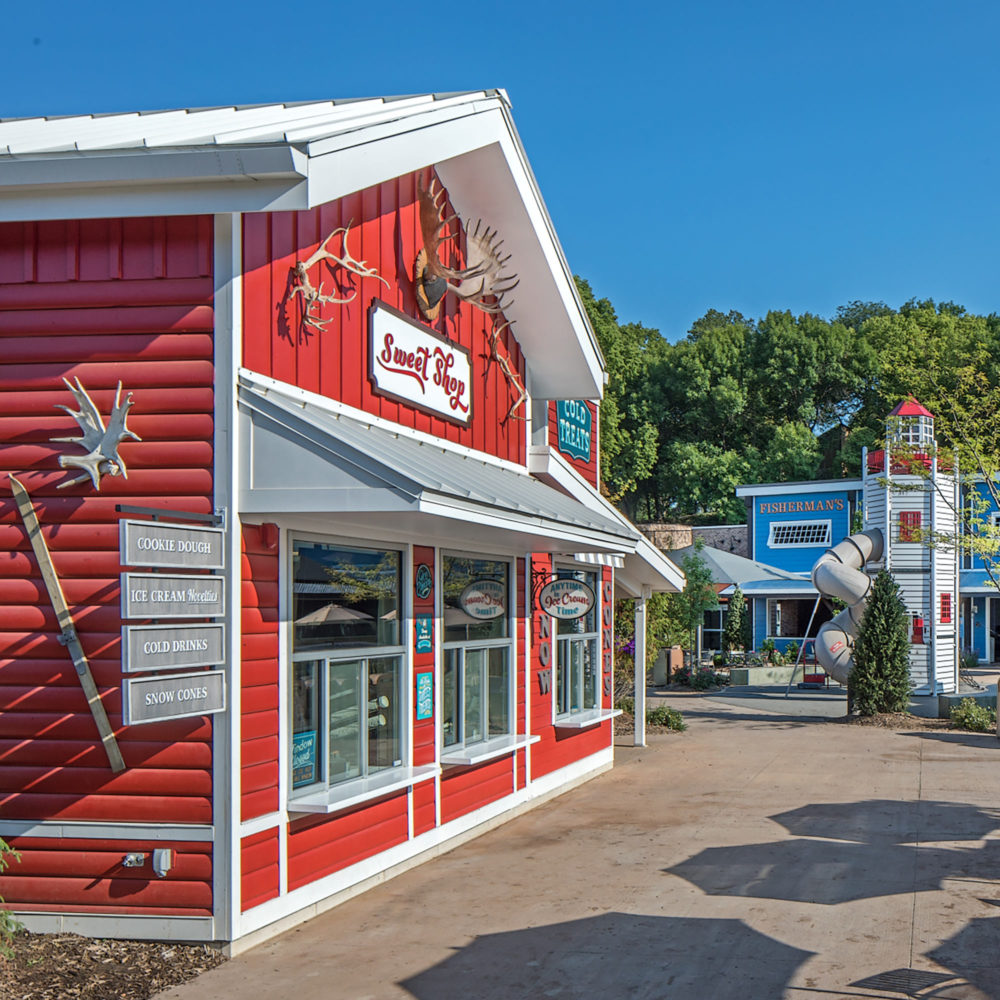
<point>102,442</point>
<point>509,373</point>
<point>312,295</point>
<point>482,283</point>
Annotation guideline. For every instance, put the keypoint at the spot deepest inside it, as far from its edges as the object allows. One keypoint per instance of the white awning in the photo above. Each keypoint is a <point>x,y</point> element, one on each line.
<point>304,456</point>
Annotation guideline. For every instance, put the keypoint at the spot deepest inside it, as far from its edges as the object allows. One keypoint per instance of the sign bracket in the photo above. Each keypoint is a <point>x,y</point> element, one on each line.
<point>177,515</point>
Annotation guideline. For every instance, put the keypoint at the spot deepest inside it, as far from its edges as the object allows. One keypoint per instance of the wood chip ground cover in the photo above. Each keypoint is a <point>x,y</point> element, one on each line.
<point>70,967</point>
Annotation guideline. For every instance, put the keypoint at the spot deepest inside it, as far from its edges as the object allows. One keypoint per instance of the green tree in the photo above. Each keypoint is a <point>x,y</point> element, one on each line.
<point>628,427</point>
<point>698,595</point>
<point>880,678</point>
<point>736,634</point>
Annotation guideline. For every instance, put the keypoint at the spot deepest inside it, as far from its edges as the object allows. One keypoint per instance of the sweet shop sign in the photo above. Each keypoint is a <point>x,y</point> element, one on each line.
<point>413,365</point>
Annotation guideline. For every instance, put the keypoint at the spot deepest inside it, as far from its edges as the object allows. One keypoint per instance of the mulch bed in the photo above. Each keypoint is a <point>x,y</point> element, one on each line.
<point>895,720</point>
<point>70,967</point>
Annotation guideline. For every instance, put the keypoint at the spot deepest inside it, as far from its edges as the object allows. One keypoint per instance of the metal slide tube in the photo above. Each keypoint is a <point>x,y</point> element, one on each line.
<point>839,573</point>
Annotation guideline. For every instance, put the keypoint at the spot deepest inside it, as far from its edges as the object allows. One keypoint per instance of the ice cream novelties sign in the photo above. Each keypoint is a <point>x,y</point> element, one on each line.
<point>566,599</point>
<point>411,364</point>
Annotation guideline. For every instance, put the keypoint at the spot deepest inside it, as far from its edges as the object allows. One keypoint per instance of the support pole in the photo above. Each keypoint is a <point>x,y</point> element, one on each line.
<point>68,636</point>
<point>640,667</point>
<point>802,648</point>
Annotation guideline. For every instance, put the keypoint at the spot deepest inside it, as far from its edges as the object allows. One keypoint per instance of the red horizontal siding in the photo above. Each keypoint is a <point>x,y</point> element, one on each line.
<point>465,789</point>
<point>102,300</point>
<point>259,872</point>
<point>319,847</point>
<point>334,362</point>
<point>259,706</point>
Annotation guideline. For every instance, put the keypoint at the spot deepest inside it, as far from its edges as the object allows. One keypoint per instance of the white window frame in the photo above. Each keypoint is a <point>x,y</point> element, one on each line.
<point>476,751</point>
<point>585,717</point>
<point>826,525</point>
<point>321,796</point>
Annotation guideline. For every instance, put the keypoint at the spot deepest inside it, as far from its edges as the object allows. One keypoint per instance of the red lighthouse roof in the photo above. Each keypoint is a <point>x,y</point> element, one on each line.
<point>911,408</point>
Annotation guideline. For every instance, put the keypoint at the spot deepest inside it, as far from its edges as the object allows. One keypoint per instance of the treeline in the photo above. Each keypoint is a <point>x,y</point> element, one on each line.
<point>778,399</point>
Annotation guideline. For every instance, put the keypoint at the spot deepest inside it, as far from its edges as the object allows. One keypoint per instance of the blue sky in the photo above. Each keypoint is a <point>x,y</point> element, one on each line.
<point>727,155</point>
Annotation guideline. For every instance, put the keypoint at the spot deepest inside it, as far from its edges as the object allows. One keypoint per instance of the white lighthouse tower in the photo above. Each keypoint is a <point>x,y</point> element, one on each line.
<point>913,501</point>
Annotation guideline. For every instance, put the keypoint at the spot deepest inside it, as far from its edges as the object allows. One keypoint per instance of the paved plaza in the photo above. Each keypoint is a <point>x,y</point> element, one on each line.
<point>759,855</point>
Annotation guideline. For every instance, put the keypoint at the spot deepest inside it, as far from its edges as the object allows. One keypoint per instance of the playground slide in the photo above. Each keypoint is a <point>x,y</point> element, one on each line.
<point>839,573</point>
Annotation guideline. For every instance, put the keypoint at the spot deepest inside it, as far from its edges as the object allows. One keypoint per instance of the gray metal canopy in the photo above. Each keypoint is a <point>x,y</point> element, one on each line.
<point>301,457</point>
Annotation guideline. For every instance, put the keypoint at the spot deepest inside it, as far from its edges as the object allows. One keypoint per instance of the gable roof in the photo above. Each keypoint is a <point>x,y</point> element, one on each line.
<point>293,157</point>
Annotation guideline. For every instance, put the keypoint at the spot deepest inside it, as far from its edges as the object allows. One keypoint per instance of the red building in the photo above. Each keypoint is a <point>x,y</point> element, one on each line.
<point>335,554</point>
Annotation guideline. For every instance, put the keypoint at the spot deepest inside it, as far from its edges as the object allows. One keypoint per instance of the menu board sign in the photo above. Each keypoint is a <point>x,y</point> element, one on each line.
<point>176,696</point>
<point>154,595</point>
<point>165,647</point>
<point>172,546</point>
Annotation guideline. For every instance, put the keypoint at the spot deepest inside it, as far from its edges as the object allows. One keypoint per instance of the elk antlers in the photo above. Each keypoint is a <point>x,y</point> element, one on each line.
<point>313,295</point>
<point>512,377</point>
<point>482,284</point>
<point>102,443</point>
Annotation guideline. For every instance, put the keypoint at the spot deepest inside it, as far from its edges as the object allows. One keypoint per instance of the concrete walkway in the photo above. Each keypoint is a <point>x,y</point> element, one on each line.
<point>756,856</point>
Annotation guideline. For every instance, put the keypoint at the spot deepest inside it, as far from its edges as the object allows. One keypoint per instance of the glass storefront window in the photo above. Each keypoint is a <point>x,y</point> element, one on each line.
<point>476,681</point>
<point>577,654</point>
<point>346,708</point>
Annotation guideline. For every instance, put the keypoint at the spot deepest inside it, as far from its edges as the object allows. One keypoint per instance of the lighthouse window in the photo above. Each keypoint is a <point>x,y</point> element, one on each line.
<point>909,526</point>
<point>787,534</point>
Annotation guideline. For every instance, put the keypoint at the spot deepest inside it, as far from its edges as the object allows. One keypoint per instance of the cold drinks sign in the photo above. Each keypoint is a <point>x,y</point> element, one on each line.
<point>179,645</point>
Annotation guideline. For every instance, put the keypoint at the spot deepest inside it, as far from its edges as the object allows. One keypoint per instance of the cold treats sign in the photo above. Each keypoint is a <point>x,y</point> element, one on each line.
<point>575,423</point>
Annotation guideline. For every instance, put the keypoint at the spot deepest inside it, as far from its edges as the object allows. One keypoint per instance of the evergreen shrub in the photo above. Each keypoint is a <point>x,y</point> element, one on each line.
<point>880,679</point>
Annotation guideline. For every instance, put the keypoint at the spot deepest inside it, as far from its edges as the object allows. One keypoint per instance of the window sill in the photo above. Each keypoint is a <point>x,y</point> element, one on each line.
<point>487,750</point>
<point>584,720</point>
<point>361,790</point>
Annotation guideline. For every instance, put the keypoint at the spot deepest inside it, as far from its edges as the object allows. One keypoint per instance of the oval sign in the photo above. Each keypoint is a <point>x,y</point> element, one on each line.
<point>566,599</point>
<point>484,599</point>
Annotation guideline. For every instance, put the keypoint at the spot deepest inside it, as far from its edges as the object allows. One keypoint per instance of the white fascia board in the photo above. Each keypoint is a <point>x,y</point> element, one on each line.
<point>647,565</point>
<point>818,486</point>
<point>209,181</point>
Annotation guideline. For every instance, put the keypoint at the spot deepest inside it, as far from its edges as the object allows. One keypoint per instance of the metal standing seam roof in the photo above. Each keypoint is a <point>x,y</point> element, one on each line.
<point>299,123</point>
<point>727,567</point>
<point>425,471</point>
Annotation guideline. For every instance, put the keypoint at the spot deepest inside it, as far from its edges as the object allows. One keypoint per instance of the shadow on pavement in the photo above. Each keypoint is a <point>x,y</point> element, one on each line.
<point>972,953</point>
<point>901,821</point>
<point>959,738</point>
<point>868,849</point>
<point>616,955</point>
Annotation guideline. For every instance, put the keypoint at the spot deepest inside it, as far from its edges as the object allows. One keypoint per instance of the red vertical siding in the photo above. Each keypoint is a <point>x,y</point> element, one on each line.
<point>423,729</point>
<point>259,873</point>
<point>385,233</point>
<point>589,470</point>
<point>259,675</point>
<point>102,300</point>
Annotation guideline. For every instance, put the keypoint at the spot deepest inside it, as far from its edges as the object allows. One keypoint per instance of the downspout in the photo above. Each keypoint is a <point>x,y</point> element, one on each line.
<point>639,739</point>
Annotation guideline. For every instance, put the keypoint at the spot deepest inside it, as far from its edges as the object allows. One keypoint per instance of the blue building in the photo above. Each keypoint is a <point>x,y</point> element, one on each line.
<point>789,526</point>
<point>979,623</point>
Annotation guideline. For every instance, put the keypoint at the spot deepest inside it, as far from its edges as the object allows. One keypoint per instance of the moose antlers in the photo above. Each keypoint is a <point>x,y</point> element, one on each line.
<point>312,295</point>
<point>512,377</point>
<point>101,442</point>
<point>482,283</point>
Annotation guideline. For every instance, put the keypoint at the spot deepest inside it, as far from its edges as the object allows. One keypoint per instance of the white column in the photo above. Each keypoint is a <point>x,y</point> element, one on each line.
<point>640,667</point>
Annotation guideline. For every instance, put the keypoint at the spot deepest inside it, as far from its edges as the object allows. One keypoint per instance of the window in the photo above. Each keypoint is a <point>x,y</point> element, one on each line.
<point>347,663</point>
<point>946,608</point>
<point>909,526</point>
<point>787,534</point>
<point>578,663</point>
<point>476,681</point>
<point>788,618</point>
